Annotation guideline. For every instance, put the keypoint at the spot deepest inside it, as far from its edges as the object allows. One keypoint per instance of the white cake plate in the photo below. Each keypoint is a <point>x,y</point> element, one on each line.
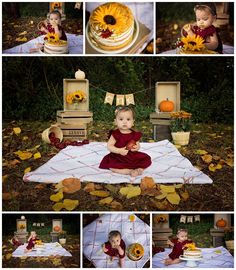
<point>191,262</point>
<point>135,36</point>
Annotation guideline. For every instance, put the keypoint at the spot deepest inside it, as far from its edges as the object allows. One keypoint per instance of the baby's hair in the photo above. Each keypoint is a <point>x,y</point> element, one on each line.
<point>209,6</point>
<point>124,109</point>
<point>113,234</point>
<point>181,230</point>
<point>56,12</point>
<point>32,232</point>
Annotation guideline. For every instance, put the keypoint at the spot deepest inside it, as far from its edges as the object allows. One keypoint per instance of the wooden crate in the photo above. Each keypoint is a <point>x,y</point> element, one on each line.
<point>74,132</point>
<point>161,132</point>
<point>72,85</point>
<point>74,117</point>
<point>160,236</point>
<point>170,90</point>
<point>55,223</point>
<point>21,225</point>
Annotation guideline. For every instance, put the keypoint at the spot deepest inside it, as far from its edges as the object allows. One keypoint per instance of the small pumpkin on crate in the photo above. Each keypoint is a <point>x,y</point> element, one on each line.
<point>57,228</point>
<point>221,223</point>
<point>166,106</point>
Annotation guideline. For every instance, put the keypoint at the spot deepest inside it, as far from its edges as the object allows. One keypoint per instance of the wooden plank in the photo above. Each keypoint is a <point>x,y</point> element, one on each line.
<point>73,85</point>
<point>160,115</point>
<point>160,122</point>
<point>74,117</point>
<point>74,113</point>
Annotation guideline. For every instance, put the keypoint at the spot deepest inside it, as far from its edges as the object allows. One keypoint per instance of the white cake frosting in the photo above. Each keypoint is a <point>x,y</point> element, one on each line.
<point>54,48</point>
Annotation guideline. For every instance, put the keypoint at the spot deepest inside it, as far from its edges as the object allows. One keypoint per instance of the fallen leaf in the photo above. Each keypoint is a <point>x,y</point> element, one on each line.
<point>17,130</point>
<point>23,155</point>
<point>89,187</point>
<point>37,155</point>
<point>57,206</point>
<point>4,178</point>
<point>23,33</point>
<point>178,186</point>
<point>107,200</point>
<point>40,186</point>
<point>173,198</point>
<point>116,205</point>
<point>56,197</point>
<point>147,183</point>
<point>167,189</point>
<point>212,167</point>
<point>215,157</point>
<point>161,196</point>
<point>112,188</point>
<point>71,185</point>
<point>229,162</point>
<point>8,256</point>
<point>175,26</point>
<point>25,138</point>
<point>200,152</point>
<point>59,187</point>
<point>99,193</point>
<point>207,158</point>
<point>70,204</point>
<point>184,195</point>
<point>130,191</point>
<point>23,39</point>
<point>28,169</point>
<point>164,205</point>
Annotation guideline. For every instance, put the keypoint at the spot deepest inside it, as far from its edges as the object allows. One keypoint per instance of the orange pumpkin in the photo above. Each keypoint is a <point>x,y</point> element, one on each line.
<point>166,106</point>
<point>221,223</point>
<point>57,228</point>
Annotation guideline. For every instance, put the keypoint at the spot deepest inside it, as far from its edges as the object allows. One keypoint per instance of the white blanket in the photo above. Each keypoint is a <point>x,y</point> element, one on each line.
<point>212,258</point>
<point>168,166</point>
<point>96,233</point>
<point>75,45</point>
<point>50,249</point>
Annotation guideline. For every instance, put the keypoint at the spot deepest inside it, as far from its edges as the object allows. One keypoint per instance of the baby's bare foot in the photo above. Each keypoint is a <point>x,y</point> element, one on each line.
<point>134,173</point>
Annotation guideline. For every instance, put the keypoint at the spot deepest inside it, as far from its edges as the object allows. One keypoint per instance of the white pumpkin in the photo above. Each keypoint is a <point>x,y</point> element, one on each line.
<point>79,75</point>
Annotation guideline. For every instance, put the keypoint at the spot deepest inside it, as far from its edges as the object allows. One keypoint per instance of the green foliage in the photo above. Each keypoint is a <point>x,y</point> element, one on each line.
<point>33,86</point>
<point>34,9</point>
<point>180,124</point>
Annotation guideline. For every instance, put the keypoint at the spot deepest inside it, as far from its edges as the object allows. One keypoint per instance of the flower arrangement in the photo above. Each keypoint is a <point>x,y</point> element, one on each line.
<point>52,38</point>
<point>190,246</point>
<point>38,242</point>
<point>21,226</point>
<point>56,5</point>
<point>180,121</point>
<point>191,43</point>
<point>137,250</point>
<point>62,234</point>
<point>75,97</point>
<point>161,219</point>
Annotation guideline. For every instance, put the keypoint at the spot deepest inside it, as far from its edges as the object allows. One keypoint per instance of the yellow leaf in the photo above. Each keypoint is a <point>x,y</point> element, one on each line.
<point>167,189</point>
<point>173,198</point>
<point>70,204</point>
<point>207,158</point>
<point>99,193</point>
<point>25,138</point>
<point>59,186</point>
<point>8,256</point>
<point>23,39</point>
<point>130,191</point>
<point>175,26</point>
<point>107,200</point>
<point>56,197</point>
<point>4,177</point>
<point>17,130</point>
<point>23,33</point>
<point>28,169</point>
<point>218,166</point>
<point>161,196</point>
<point>57,206</point>
<point>215,157</point>
<point>213,167</point>
<point>37,155</point>
<point>184,195</point>
<point>229,162</point>
<point>23,155</point>
<point>178,186</point>
<point>200,152</point>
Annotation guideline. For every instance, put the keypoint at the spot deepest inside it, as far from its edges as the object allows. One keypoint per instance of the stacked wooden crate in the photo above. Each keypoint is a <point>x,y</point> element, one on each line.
<point>161,120</point>
<point>74,122</point>
<point>160,236</point>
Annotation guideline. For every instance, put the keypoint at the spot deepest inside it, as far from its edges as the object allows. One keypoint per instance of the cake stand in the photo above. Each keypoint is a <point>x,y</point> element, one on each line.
<point>190,262</point>
<point>96,48</point>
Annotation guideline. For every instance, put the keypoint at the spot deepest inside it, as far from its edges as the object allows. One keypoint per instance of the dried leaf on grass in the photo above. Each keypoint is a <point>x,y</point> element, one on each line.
<point>173,198</point>
<point>89,187</point>
<point>26,170</point>
<point>107,200</point>
<point>147,183</point>
<point>56,197</point>
<point>70,204</point>
<point>130,191</point>
<point>116,205</point>
<point>200,152</point>
<point>17,130</point>
<point>99,193</point>
<point>167,189</point>
<point>207,158</point>
<point>23,155</point>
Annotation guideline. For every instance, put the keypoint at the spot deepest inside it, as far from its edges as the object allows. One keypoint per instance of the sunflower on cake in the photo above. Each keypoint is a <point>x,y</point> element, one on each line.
<point>201,37</point>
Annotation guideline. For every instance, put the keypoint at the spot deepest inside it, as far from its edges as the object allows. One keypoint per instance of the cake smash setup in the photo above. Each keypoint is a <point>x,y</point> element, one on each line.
<point>134,232</point>
<point>168,165</point>
<point>191,255</point>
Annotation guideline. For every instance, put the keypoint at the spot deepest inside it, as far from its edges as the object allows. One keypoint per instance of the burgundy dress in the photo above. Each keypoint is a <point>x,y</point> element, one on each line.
<point>178,248</point>
<point>113,252</point>
<point>133,160</point>
<point>51,30</point>
<point>31,243</point>
<point>207,32</point>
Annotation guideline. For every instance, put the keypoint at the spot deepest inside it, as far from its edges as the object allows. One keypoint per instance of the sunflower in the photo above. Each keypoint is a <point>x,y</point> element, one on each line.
<point>138,250</point>
<point>193,43</point>
<point>56,5</point>
<point>52,37</point>
<point>113,17</point>
<point>190,246</point>
<point>69,98</point>
<point>75,97</point>
<point>160,219</point>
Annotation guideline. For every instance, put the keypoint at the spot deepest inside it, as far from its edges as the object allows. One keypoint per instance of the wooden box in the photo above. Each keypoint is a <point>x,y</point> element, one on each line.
<point>74,132</point>
<point>56,225</point>
<point>21,225</point>
<point>74,117</point>
<point>160,236</point>
<point>73,85</point>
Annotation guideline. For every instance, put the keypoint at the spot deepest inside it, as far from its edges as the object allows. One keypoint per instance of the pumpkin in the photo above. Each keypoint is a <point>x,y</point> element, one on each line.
<point>166,106</point>
<point>221,223</point>
<point>57,228</point>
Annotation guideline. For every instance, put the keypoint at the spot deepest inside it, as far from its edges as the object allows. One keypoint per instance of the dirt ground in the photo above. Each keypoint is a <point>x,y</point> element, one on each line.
<point>72,245</point>
<point>216,139</point>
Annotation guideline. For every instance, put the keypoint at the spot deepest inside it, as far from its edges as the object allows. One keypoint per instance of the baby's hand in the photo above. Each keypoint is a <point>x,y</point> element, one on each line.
<point>43,29</point>
<point>169,242</point>
<point>123,151</point>
<point>134,148</point>
<point>187,27</point>
<point>104,249</point>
